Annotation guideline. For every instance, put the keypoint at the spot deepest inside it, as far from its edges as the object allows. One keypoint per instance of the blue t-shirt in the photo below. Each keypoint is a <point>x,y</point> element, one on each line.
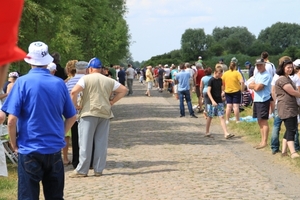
<point>205,80</point>
<point>40,101</point>
<point>183,78</point>
<point>264,94</point>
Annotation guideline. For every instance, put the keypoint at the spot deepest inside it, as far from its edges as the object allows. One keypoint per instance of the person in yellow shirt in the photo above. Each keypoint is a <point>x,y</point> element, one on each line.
<point>149,80</point>
<point>234,85</point>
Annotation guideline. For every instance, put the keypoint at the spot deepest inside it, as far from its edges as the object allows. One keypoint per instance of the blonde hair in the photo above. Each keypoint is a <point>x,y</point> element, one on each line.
<point>219,69</point>
<point>218,65</point>
<point>283,58</point>
<point>70,67</point>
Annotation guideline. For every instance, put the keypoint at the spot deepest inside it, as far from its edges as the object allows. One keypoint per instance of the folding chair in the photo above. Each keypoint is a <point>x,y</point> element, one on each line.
<point>4,141</point>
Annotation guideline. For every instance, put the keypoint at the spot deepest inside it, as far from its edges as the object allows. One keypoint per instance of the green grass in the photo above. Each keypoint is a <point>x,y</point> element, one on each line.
<point>8,185</point>
<point>251,134</point>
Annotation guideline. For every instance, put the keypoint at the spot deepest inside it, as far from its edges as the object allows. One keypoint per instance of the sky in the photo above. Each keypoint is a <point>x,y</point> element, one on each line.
<point>156,26</point>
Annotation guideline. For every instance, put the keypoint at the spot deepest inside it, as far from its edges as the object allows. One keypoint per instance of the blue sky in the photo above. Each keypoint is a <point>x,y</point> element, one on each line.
<point>156,26</point>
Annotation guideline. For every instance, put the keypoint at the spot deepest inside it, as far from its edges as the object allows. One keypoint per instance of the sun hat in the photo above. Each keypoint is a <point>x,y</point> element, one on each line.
<point>81,65</point>
<point>297,63</point>
<point>38,54</point>
<point>259,61</point>
<point>13,75</point>
<point>10,14</point>
<point>51,67</point>
<point>95,63</point>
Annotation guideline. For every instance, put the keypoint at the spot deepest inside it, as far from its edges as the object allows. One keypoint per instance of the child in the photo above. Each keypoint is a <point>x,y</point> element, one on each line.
<point>215,106</point>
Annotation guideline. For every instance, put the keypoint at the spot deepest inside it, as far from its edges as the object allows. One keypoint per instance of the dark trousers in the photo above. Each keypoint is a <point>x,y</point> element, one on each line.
<point>75,146</point>
<point>33,168</point>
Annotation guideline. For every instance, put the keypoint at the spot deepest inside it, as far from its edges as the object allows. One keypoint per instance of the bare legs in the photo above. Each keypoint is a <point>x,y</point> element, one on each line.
<point>65,151</point>
<point>264,132</point>
<point>236,111</point>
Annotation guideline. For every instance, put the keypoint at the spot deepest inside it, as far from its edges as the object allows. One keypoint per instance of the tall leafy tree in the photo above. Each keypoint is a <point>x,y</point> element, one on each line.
<point>193,44</point>
<point>280,36</point>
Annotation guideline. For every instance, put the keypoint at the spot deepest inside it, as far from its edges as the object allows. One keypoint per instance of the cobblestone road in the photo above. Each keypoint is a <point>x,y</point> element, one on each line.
<point>154,154</point>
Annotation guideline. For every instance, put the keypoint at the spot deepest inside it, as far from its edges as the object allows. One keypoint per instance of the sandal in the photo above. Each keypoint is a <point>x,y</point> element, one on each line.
<point>229,136</point>
<point>295,155</point>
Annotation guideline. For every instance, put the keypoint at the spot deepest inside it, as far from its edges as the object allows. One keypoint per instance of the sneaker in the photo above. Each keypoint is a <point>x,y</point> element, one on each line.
<point>75,174</point>
<point>97,174</point>
<point>194,116</point>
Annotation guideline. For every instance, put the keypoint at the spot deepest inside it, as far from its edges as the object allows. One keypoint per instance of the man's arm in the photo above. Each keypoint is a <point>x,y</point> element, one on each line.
<point>256,87</point>
<point>120,92</point>
<point>68,123</point>
<point>11,125</point>
<point>74,94</point>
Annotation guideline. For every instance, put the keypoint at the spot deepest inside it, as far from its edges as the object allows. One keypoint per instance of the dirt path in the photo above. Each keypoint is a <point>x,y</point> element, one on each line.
<point>154,154</point>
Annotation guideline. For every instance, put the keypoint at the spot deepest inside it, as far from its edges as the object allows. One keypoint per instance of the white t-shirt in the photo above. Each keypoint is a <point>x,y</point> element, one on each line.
<point>130,73</point>
<point>191,71</point>
<point>167,71</point>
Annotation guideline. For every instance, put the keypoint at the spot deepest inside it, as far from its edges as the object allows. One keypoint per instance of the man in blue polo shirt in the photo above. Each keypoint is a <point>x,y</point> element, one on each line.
<point>33,108</point>
<point>183,80</point>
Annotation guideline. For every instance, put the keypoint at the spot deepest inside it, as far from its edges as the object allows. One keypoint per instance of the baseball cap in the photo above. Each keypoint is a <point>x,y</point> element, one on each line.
<point>234,60</point>
<point>259,61</point>
<point>51,67</point>
<point>297,63</point>
<point>81,65</point>
<point>95,63</point>
<point>13,75</point>
<point>38,54</point>
<point>247,63</point>
<point>166,65</point>
<point>10,15</point>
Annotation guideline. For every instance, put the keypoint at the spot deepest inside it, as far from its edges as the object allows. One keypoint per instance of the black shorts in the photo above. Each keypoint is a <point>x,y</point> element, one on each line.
<point>261,110</point>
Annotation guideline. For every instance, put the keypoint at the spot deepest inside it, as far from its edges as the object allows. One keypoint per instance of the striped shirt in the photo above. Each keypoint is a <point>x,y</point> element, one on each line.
<point>72,82</point>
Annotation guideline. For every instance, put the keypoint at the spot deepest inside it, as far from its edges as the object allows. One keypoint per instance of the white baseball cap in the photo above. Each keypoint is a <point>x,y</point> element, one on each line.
<point>51,67</point>
<point>38,54</point>
<point>297,62</point>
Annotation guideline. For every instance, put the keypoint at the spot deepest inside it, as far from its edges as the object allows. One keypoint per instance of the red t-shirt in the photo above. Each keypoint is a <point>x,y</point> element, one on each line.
<point>200,74</point>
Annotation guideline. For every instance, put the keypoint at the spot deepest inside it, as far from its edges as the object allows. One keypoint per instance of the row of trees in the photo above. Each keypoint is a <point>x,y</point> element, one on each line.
<point>77,29</point>
<point>280,38</point>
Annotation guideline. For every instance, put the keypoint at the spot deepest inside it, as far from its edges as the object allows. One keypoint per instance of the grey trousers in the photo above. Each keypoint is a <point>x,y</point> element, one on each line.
<point>129,84</point>
<point>92,129</point>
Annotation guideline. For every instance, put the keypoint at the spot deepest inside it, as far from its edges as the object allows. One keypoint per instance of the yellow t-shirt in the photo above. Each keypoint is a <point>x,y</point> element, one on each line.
<point>149,76</point>
<point>232,81</point>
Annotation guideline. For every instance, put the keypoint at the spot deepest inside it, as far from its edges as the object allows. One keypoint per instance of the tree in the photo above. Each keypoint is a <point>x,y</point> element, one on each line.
<point>193,44</point>
<point>77,29</point>
<point>233,39</point>
<point>280,36</point>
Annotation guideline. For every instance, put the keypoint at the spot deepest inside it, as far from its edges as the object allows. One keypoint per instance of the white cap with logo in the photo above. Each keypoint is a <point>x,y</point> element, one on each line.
<point>38,54</point>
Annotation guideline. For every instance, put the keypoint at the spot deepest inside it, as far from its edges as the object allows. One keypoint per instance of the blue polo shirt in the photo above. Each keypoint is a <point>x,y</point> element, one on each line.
<point>39,100</point>
<point>183,78</point>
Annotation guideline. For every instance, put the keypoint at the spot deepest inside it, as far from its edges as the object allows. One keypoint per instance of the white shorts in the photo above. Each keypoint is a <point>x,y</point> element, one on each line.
<point>175,89</point>
<point>150,85</point>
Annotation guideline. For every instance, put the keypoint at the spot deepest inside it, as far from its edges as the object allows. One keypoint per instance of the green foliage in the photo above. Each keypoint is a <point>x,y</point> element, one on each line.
<point>76,29</point>
<point>281,36</point>
<point>193,44</point>
<point>228,42</point>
